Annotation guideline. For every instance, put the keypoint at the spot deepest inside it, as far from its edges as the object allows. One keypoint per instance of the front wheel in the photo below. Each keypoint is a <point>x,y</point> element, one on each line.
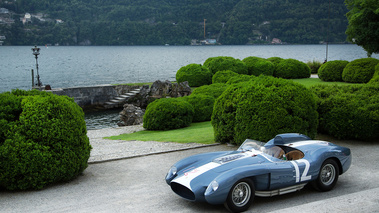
<point>240,196</point>
<point>327,177</point>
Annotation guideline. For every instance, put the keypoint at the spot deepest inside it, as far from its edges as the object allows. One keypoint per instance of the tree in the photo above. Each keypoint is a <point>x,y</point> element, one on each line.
<point>363,28</point>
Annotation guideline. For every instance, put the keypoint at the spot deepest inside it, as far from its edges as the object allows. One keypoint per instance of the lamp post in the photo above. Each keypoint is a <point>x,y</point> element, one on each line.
<point>36,53</point>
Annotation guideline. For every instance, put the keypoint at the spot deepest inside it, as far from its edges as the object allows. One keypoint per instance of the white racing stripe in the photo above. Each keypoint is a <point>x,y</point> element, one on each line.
<point>186,179</point>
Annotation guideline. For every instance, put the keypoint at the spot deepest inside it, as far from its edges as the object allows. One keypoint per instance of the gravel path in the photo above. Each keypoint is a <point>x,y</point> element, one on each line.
<point>104,150</point>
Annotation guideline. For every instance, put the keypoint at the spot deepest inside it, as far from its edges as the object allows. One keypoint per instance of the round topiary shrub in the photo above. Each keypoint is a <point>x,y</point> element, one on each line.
<point>202,105</point>
<point>348,112</point>
<point>43,140</point>
<point>168,113</point>
<point>226,63</point>
<point>223,76</point>
<point>196,75</point>
<point>292,69</point>
<point>359,70</point>
<point>375,78</point>
<point>262,108</point>
<point>332,70</point>
<point>240,78</point>
<point>214,90</point>
<point>257,66</point>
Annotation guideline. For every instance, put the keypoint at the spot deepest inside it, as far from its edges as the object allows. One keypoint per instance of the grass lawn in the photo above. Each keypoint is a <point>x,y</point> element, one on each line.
<point>198,132</point>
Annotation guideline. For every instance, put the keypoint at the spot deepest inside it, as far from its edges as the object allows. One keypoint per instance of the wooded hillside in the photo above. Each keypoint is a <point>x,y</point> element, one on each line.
<point>158,22</point>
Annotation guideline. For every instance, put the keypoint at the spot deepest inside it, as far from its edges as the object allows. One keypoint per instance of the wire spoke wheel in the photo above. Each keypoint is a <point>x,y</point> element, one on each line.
<point>241,196</point>
<point>328,173</point>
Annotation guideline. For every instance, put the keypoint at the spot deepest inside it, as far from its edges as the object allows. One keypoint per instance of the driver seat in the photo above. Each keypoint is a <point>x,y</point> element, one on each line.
<point>294,155</point>
<point>275,151</point>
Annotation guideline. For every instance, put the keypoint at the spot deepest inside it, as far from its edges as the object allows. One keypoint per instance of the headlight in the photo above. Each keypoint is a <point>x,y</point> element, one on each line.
<point>172,172</point>
<point>213,186</point>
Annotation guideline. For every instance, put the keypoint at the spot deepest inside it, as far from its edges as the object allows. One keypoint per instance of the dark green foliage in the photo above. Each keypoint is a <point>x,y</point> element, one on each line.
<point>240,78</point>
<point>332,70</point>
<point>196,75</point>
<point>222,63</point>
<point>375,78</point>
<point>257,66</point>
<point>292,69</point>
<point>359,70</point>
<point>263,107</point>
<point>203,106</point>
<point>168,113</point>
<point>214,90</point>
<point>349,112</point>
<point>314,66</point>
<point>223,76</point>
<point>43,140</point>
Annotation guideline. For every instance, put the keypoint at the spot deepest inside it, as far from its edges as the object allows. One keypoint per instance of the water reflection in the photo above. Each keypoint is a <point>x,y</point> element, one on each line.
<point>102,119</point>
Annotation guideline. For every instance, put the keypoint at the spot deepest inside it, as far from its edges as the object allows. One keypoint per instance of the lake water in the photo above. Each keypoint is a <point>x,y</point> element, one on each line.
<point>95,65</point>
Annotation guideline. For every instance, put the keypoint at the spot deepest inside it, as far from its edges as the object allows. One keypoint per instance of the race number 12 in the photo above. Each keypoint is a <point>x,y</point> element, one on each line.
<point>304,176</point>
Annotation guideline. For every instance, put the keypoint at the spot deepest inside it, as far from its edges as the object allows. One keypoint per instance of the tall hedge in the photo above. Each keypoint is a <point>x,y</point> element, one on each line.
<point>196,75</point>
<point>221,63</point>
<point>43,140</point>
<point>202,105</point>
<point>292,69</point>
<point>360,70</point>
<point>262,108</point>
<point>257,66</point>
<point>349,112</point>
<point>332,70</point>
<point>168,113</point>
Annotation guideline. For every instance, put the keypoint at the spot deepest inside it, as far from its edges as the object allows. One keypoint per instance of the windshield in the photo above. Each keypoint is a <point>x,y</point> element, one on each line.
<point>250,145</point>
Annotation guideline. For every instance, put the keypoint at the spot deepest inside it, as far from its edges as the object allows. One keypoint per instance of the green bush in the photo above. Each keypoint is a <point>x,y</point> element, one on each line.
<point>348,112</point>
<point>257,66</point>
<point>223,76</point>
<point>168,113</point>
<point>240,78</point>
<point>275,61</point>
<point>43,140</point>
<point>202,105</point>
<point>332,70</point>
<point>214,90</point>
<point>222,63</point>
<point>292,69</point>
<point>262,108</point>
<point>359,70</point>
<point>375,78</point>
<point>196,75</point>
<point>314,66</point>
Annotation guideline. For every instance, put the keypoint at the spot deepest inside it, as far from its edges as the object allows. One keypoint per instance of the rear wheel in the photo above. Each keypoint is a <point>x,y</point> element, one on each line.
<point>241,196</point>
<point>327,177</point>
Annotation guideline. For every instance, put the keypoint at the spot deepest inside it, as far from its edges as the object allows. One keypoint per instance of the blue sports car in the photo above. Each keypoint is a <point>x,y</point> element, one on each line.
<point>282,165</point>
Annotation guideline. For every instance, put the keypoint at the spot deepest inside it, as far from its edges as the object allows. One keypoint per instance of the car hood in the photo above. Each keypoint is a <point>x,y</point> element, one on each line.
<point>197,176</point>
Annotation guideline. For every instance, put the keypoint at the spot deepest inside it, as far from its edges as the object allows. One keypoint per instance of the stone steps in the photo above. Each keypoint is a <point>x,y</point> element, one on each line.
<point>121,98</point>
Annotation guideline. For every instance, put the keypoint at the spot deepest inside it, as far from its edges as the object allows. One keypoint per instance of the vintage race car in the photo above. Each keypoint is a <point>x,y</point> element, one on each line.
<point>282,165</point>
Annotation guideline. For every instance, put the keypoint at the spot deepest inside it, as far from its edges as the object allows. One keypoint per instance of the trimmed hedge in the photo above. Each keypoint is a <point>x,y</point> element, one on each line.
<point>349,112</point>
<point>375,78</point>
<point>359,70</point>
<point>292,69</point>
<point>203,106</point>
<point>168,113</point>
<point>332,70</point>
<point>262,108</point>
<point>257,66</point>
<point>223,76</point>
<point>43,140</point>
<point>196,75</point>
<point>240,78</point>
<point>222,63</point>
<point>214,90</point>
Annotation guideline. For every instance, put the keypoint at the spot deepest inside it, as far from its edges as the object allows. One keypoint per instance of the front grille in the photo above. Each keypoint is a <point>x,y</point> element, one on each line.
<point>182,191</point>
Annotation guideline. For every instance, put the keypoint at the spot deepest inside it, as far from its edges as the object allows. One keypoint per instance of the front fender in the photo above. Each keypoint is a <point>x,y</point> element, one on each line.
<point>227,179</point>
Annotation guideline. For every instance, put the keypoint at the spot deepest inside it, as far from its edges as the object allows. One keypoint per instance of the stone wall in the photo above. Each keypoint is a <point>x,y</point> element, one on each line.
<point>94,96</point>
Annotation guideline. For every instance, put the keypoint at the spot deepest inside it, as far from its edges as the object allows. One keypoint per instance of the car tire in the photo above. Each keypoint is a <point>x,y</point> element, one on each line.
<point>240,196</point>
<point>327,177</point>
